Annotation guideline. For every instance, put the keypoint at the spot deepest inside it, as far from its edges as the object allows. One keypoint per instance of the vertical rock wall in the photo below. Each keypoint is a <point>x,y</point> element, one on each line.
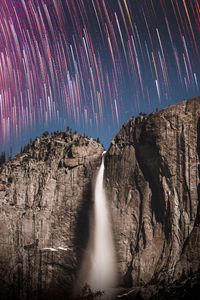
<point>152,182</point>
<point>152,179</point>
<point>45,198</point>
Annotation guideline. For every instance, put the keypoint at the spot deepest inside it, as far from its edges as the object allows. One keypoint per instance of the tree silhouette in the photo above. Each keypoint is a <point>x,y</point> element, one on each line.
<point>87,293</point>
<point>2,158</point>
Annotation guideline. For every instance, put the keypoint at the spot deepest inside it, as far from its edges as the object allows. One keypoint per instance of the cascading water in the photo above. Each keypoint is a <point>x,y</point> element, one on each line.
<point>102,270</point>
<point>99,267</point>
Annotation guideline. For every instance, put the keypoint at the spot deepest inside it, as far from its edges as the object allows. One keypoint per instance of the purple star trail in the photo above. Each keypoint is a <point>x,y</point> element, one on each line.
<point>92,64</point>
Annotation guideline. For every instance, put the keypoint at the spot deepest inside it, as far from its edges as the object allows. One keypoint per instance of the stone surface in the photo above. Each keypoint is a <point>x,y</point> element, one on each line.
<point>185,289</point>
<point>152,180</point>
<point>45,198</point>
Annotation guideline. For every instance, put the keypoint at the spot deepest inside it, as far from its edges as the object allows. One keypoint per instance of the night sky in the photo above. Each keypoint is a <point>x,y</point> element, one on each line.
<point>93,64</point>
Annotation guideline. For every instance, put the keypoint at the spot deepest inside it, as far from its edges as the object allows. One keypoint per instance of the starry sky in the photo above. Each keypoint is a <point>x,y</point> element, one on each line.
<point>93,64</point>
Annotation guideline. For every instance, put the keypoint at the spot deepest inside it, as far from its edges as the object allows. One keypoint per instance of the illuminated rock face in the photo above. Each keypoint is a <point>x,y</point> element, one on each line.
<point>152,179</point>
<point>45,200</point>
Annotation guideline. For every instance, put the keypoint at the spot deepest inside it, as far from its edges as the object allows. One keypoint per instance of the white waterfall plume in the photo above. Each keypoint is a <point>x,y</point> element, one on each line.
<point>102,270</point>
<point>99,266</point>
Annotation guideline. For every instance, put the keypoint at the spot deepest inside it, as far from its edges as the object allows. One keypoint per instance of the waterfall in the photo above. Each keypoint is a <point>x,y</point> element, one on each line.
<point>99,265</point>
<point>102,269</point>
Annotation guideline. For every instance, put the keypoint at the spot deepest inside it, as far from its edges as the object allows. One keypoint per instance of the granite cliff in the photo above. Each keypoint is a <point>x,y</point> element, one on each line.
<point>152,183</point>
<point>152,180</point>
<point>45,198</point>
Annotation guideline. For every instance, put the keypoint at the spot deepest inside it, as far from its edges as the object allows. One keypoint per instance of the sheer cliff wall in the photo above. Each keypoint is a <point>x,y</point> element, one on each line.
<point>152,180</point>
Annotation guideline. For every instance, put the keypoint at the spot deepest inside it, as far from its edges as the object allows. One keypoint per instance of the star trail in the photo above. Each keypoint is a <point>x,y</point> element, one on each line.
<point>92,64</point>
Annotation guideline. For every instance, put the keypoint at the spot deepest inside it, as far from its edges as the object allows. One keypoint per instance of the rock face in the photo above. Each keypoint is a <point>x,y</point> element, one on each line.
<point>45,198</point>
<point>152,180</point>
<point>152,174</point>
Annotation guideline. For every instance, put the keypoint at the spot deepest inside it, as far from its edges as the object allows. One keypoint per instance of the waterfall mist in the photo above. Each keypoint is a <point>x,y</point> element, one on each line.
<point>99,266</point>
<point>102,269</point>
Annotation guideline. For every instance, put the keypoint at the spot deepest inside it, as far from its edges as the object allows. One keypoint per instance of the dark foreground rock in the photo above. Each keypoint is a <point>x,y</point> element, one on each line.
<point>183,289</point>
